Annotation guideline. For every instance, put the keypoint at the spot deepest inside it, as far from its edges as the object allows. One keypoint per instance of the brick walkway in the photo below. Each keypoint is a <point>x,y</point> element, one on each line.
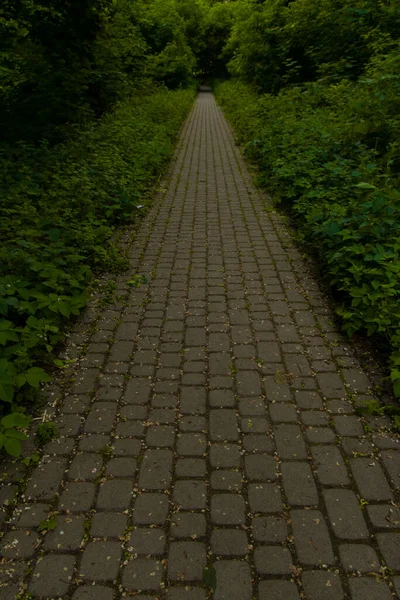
<point>210,421</point>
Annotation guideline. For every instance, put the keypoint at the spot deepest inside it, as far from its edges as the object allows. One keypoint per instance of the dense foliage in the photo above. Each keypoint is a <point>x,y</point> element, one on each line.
<point>316,102</point>
<point>89,112</point>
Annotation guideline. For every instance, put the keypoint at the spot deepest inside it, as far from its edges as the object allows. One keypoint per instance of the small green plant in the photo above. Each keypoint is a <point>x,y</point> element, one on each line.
<point>107,452</point>
<point>374,408</point>
<point>137,281</point>
<point>32,460</point>
<point>46,432</point>
<point>210,577</point>
<point>10,434</point>
<point>48,525</point>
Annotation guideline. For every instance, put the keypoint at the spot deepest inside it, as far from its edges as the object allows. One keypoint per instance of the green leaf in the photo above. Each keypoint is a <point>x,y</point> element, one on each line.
<point>20,380</point>
<point>6,392</point>
<point>15,419</point>
<point>210,577</point>
<point>396,388</point>
<point>36,375</point>
<point>363,185</point>
<point>12,447</point>
<point>15,434</point>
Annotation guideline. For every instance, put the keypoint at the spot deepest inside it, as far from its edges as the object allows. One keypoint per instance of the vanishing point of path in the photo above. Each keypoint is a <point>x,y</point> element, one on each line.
<point>211,421</point>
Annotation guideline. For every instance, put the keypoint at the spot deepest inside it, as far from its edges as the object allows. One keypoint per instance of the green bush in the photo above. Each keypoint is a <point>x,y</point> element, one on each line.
<point>60,207</point>
<point>330,155</point>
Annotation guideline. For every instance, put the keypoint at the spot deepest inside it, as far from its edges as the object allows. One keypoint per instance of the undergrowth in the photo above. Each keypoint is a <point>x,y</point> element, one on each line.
<point>329,153</point>
<point>60,207</point>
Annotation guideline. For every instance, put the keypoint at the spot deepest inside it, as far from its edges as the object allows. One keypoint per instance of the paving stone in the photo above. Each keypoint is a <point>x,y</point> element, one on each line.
<point>114,495</point>
<point>101,417</point>
<point>150,509</point>
<point>299,484</point>
<point>77,497</point>
<point>137,391</point>
<point>46,479</point>
<point>308,399</point>
<point>320,435</point>
<point>52,575</point>
<point>331,469</point>
<point>85,466</point>
<point>264,498</point>
<point>385,516</point>
<point>320,584</point>
<point>224,456</point>
<point>248,383</point>
<point>273,560</point>
<point>108,524</point>
<point>11,576</point>
<point>251,407</point>
<point>276,392</point>
<point>223,425</point>
<point>233,580</point>
<point>142,574</point>
<point>147,541</point>
<point>389,545</point>
<point>190,495</point>
<point>121,467</point>
<point>67,535</point>
<point>260,467</point>
<point>225,480</point>
<point>370,479</point>
<point>100,561</point>
<point>359,557</point>
<point>227,509</point>
<point>186,561</point>
<point>283,413</point>
<point>222,398</point>
<point>348,425</point>
<point>345,514</point>
<point>391,462</point>
<point>127,447</point>
<point>31,515</point>
<point>272,529</point>
<point>229,542</point>
<point>91,442</point>
<point>68,425</point>
<point>277,590</point>
<point>188,424</point>
<point>185,593</point>
<point>93,592</point>
<point>311,538</point>
<point>331,385</point>
<point>290,442</point>
<point>368,587</point>
<point>156,470</point>
<point>190,467</point>
<point>188,525</point>
<point>315,418</point>
<point>191,444</point>
<point>19,544</point>
<point>258,443</point>
<point>162,436</point>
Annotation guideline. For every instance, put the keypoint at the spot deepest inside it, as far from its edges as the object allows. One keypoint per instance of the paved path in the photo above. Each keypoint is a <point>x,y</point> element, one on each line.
<point>210,421</point>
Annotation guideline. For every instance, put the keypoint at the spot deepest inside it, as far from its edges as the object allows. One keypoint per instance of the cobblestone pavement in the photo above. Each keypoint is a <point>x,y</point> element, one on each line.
<point>211,422</point>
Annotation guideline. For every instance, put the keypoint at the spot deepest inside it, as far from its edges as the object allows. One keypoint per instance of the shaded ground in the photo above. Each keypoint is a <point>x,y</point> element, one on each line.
<point>211,421</point>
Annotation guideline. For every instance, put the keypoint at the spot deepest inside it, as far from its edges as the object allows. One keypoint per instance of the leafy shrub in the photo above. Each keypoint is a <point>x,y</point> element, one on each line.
<point>330,155</point>
<point>60,208</point>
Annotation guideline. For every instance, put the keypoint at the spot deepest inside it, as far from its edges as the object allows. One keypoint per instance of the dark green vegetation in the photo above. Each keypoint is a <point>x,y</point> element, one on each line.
<point>316,101</point>
<point>92,95</point>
